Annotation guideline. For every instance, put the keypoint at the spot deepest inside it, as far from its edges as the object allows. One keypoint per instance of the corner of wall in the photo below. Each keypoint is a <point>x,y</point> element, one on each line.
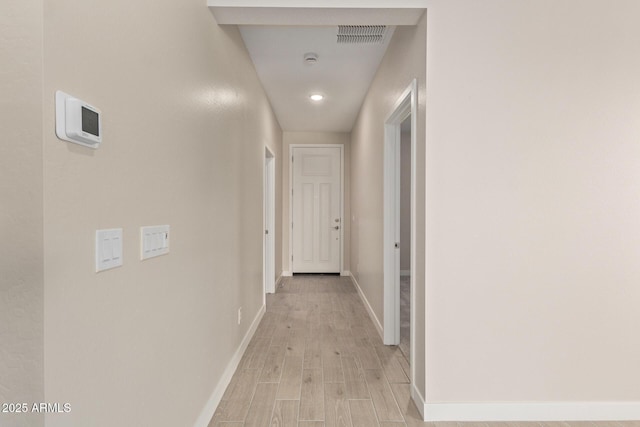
<point>21,216</point>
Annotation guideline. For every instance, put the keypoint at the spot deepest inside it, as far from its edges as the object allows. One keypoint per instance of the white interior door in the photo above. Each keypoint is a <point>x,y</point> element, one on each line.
<point>269,223</point>
<point>316,209</point>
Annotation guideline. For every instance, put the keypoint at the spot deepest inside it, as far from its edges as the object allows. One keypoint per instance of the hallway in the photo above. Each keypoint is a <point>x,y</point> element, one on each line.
<point>524,165</point>
<point>317,360</point>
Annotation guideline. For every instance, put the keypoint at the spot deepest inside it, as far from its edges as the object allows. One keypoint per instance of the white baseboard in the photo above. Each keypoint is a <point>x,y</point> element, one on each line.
<point>405,272</point>
<point>418,399</point>
<point>346,273</point>
<point>531,411</point>
<point>212,404</point>
<point>372,315</point>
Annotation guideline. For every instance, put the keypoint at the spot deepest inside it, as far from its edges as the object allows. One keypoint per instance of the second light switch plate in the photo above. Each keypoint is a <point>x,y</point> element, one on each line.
<point>108,249</point>
<point>154,241</point>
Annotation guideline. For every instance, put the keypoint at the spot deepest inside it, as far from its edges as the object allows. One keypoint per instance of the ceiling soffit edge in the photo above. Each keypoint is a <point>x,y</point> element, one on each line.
<point>325,16</point>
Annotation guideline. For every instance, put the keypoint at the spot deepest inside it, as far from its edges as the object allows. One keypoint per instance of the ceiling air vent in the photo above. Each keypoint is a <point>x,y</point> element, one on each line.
<point>359,34</point>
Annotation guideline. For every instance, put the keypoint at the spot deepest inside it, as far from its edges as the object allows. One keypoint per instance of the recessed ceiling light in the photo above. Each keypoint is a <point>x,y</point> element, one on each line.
<point>316,97</point>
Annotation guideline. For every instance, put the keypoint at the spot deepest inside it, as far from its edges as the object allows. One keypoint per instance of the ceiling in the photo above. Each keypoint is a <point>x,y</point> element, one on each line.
<point>277,35</point>
<point>342,74</point>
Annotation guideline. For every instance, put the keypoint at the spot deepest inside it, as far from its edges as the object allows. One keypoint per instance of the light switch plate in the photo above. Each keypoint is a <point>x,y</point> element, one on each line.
<point>154,241</point>
<point>108,249</point>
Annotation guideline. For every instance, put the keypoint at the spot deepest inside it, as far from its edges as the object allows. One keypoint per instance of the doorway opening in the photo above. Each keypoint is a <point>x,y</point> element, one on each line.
<point>269,214</point>
<point>405,237</point>
<point>400,224</point>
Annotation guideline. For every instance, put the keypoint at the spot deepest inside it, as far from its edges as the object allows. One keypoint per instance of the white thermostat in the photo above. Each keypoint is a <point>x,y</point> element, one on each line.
<point>77,121</point>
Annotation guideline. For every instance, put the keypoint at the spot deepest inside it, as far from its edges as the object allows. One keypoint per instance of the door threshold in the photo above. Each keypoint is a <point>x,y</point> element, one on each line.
<point>316,274</point>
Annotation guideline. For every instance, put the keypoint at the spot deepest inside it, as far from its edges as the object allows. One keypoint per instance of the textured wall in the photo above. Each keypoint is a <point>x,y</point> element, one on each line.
<point>21,267</point>
<point>185,125</point>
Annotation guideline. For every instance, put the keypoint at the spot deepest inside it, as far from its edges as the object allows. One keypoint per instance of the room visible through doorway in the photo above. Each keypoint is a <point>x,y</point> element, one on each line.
<point>405,236</point>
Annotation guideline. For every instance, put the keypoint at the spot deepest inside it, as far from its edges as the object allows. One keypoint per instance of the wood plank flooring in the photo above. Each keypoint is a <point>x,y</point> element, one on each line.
<point>317,360</point>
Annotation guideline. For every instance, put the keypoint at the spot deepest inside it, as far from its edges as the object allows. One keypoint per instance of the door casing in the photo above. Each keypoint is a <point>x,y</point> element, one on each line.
<point>405,106</point>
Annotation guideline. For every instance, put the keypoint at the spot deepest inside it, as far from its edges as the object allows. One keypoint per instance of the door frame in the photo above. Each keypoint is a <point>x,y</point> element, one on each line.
<point>342,219</point>
<point>268,221</point>
<point>407,104</point>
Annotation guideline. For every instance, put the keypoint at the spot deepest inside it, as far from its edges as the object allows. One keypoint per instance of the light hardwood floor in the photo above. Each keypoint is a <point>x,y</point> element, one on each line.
<point>317,360</point>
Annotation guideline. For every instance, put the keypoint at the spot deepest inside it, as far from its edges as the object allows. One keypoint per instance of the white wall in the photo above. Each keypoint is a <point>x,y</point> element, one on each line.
<point>289,138</point>
<point>185,125</point>
<point>21,267</point>
<point>533,178</point>
<point>404,60</point>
